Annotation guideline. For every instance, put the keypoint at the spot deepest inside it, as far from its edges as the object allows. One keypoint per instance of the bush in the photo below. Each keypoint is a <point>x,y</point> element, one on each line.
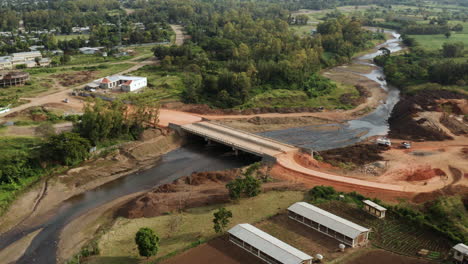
<point>147,242</point>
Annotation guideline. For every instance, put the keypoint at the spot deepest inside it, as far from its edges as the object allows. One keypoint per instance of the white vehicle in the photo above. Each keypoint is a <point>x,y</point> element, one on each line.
<point>406,145</point>
<point>384,141</point>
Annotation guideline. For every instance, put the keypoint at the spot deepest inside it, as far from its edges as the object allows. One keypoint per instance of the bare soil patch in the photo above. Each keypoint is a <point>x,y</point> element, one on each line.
<point>385,257</point>
<point>359,154</point>
<point>75,78</point>
<point>302,237</point>
<point>219,250</point>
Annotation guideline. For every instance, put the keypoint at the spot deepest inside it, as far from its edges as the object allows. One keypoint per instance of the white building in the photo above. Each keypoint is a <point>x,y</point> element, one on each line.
<point>265,246</point>
<point>27,56</point>
<point>460,253</point>
<point>90,51</point>
<point>124,83</point>
<point>329,224</point>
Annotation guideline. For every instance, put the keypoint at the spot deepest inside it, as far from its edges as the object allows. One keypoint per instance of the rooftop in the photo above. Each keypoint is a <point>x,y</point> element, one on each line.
<point>462,248</point>
<point>374,205</point>
<point>268,244</point>
<point>328,219</point>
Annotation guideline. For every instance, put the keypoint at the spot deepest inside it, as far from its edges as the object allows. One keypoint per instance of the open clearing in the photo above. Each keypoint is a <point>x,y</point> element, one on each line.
<point>117,245</point>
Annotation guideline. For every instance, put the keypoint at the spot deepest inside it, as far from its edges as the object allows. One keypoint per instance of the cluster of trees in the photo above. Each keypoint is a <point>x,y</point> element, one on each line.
<point>110,120</point>
<point>237,53</point>
<point>101,121</point>
<point>422,29</point>
<point>421,66</point>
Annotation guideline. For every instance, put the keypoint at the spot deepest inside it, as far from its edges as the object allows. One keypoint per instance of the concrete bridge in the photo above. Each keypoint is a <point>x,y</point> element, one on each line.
<point>266,148</point>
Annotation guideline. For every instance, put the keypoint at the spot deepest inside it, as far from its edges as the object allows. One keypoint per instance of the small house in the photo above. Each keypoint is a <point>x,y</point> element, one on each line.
<point>122,82</point>
<point>374,209</point>
<point>265,246</point>
<point>460,253</point>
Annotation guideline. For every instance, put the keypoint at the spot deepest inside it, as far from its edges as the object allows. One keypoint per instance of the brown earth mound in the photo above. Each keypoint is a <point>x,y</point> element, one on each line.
<point>307,161</point>
<point>402,123</point>
<point>455,126</point>
<point>425,173</point>
<point>198,189</point>
<point>359,154</point>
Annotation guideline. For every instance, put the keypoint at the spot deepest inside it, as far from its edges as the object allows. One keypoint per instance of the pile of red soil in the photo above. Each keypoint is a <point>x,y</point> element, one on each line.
<point>425,173</point>
<point>359,154</point>
<point>307,161</point>
<point>402,123</point>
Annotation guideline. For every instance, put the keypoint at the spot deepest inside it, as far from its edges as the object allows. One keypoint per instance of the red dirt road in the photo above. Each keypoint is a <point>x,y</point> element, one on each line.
<point>216,251</point>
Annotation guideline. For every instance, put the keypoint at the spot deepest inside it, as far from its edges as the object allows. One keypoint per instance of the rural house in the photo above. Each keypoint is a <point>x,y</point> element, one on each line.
<point>266,247</point>
<point>460,253</point>
<point>332,225</point>
<point>121,82</point>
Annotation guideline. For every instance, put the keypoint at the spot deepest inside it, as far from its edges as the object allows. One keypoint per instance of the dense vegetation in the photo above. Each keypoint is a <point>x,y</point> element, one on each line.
<point>420,66</point>
<point>249,50</point>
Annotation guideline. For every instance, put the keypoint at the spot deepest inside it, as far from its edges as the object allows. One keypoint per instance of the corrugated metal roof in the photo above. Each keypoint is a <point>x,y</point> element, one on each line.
<point>462,248</point>
<point>376,206</point>
<point>269,244</point>
<point>327,219</point>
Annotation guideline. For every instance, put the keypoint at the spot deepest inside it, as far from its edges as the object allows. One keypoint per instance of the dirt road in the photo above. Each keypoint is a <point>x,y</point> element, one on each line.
<point>180,36</point>
<point>77,102</point>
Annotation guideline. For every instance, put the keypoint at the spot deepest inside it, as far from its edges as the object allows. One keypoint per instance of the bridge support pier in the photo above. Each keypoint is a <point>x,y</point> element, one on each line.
<point>236,151</point>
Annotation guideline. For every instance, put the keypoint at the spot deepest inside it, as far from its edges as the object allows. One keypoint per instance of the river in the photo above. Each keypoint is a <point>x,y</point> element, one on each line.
<point>329,136</point>
<point>188,159</point>
<point>173,165</point>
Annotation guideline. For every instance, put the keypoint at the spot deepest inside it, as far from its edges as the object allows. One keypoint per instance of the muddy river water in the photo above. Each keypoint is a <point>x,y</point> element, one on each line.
<point>331,136</point>
<point>192,158</point>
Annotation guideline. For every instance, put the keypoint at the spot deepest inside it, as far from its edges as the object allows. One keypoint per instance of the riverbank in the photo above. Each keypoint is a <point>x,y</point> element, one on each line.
<point>46,196</point>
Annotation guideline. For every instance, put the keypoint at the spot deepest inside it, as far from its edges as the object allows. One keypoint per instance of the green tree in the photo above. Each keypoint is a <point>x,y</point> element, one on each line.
<point>66,148</point>
<point>147,242</point>
<point>453,50</point>
<point>448,34</point>
<point>235,188</point>
<point>252,186</point>
<point>221,219</point>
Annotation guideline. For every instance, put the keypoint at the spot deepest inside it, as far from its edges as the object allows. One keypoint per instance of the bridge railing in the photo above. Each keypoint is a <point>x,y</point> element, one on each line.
<point>242,136</point>
<point>252,134</point>
<point>220,140</point>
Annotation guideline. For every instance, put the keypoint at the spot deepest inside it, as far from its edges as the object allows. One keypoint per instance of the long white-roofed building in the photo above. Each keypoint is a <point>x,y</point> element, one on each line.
<point>265,246</point>
<point>329,224</point>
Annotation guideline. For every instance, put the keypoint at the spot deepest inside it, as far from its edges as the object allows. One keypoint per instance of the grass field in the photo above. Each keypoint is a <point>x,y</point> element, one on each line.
<point>117,245</point>
<point>435,42</point>
<point>295,98</point>
<point>163,84</point>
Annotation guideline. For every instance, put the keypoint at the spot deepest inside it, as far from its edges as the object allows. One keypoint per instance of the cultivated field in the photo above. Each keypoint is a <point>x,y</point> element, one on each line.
<point>383,257</point>
<point>393,233</point>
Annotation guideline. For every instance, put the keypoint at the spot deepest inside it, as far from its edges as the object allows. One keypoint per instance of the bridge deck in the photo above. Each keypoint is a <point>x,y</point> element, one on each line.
<point>238,139</point>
